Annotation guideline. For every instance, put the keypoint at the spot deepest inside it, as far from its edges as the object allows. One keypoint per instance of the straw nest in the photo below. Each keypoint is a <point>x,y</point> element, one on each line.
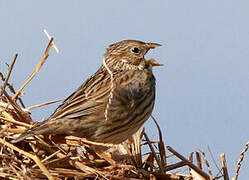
<point>54,157</point>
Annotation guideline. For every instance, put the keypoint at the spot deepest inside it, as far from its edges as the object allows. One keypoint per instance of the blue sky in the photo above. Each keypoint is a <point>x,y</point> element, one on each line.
<point>202,91</point>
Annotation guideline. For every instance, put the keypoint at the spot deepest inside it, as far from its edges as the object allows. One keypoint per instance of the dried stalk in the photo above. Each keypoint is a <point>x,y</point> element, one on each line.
<point>36,70</point>
<point>224,166</point>
<point>198,159</point>
<point>207,164</point>
<point>31,156</point>
<point>154,153</point>
<point>42,104</point>
<point>53,44</point>
<point>242,154</point>
<point>161,145</point>
<point>9,72</point>
<point>198,170</point>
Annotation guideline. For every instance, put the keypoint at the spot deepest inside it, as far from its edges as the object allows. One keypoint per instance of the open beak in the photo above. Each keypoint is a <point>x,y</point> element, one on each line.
<point>153,62</point>
<point>152,45</point>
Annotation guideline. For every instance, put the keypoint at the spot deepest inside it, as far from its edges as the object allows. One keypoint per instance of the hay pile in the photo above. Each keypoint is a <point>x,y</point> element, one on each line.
<point>55,157</point>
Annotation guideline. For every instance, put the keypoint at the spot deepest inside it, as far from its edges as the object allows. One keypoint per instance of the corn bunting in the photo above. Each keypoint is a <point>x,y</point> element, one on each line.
<point>112,104</point>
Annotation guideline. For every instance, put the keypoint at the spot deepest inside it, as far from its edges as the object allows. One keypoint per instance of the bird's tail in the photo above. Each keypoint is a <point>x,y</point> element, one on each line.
<point>37,128</point>
<point>23,136</point>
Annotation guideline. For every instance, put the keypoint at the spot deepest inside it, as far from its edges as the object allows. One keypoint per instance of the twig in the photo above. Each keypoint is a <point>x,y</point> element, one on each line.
<point>9,106</point>
<point>48,157</point>
<point>53,44</point>
<point>153,152</point>
<point>176,165</point>
<point>83,140</point>
<point>128,148</point>
<point>88,169</point>
<point>12,90</point>
<point>212,157</point>
<point>42,104</point>
<point>190,160</point>
<point>242,154</point>
<point>81,166</point>
<point>9,86</point>
<point>137,144</point>
<point>16,172</point>
<point>34,157</point>
<point>198,159</point>
<point>161,144</point>
<point>36,70</point>
<point>11,102</point>
<point>15,122</point>
<point>207,164</point>
<point>7,176</point>
<point>9,72</point>
<point>224,166</point>
<point>198,170</point>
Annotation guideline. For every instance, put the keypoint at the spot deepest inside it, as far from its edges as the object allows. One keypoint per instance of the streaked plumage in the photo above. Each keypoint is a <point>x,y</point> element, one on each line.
<point>113,103</point>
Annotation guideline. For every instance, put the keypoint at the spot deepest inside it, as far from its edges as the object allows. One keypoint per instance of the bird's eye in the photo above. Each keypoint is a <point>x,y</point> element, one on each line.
<point>135,50</point>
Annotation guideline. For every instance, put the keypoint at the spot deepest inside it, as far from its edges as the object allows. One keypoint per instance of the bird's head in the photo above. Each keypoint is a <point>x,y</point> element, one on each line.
<point>129,54</point>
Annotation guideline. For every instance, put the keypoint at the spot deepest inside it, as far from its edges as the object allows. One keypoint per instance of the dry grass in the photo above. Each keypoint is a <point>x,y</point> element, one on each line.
<point>57,157</point>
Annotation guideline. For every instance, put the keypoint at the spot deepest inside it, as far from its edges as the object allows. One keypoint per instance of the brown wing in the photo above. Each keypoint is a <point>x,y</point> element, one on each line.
<point>85,98</point>
<point>88,99</point>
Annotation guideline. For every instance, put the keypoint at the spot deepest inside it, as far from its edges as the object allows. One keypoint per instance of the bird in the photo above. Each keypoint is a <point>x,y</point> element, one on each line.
<point>111,105</point>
